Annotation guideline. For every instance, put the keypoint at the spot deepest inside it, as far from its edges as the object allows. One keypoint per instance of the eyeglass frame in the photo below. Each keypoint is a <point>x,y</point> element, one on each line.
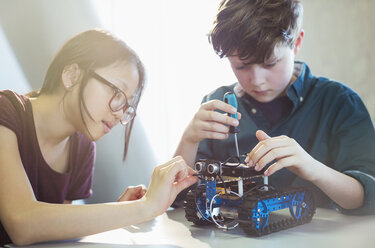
<point>129,110</point>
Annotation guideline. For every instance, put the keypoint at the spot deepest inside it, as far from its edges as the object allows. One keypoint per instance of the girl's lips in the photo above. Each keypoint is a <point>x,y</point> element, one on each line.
<point>107,126</point>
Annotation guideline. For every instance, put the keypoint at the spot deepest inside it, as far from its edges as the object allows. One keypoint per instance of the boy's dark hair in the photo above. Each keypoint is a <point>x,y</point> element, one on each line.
<point>254,29</point>
<point>90,50</point>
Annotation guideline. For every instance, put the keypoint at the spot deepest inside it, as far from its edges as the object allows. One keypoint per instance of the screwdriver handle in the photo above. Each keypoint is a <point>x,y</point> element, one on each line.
<point>231,99</point>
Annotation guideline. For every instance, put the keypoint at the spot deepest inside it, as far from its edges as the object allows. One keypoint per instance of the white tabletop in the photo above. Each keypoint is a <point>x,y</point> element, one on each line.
<point>327,229</point>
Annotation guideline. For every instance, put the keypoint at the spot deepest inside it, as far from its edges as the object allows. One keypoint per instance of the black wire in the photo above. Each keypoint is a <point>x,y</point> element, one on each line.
<point>238,158</point>
<point>225,188</point>
<point>257,187</point>
<point>199,176</point>
<point>230,158</point>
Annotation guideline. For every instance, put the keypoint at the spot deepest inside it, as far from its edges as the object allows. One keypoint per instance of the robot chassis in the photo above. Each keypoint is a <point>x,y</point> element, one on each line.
<point>228,197</point>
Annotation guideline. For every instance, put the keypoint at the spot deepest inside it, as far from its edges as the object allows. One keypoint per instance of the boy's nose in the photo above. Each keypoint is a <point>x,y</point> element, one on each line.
<point>256,76</point>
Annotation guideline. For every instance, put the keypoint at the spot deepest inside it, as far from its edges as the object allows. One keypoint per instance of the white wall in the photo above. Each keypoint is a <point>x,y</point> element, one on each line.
<point>11,74</point>
<point>33,31</point>
<point>340,43</point>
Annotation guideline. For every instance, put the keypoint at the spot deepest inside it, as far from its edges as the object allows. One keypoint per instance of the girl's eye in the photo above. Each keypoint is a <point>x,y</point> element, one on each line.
<point>118,96</point>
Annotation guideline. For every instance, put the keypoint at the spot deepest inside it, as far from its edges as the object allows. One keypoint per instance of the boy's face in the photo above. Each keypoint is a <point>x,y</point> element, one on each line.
<point>265,82</point>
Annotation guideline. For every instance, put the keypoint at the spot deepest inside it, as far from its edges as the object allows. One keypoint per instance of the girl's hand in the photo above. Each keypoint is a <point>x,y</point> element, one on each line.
<point>208,123</point>
<point>133,193</point>
<point>287,153</point>
<point>167,181</point>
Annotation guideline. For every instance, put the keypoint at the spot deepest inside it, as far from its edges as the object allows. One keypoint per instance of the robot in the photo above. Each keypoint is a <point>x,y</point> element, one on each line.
<point>231,194</point>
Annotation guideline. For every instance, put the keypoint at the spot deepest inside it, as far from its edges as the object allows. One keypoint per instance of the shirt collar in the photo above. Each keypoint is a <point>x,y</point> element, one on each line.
<point>295,91</point>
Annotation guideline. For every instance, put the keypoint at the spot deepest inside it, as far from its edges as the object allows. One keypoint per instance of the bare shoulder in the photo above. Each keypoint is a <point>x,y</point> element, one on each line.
<point>15,188</point>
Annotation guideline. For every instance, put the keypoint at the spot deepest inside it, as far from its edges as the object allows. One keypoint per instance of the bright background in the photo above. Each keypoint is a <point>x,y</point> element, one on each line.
<point>171,39</point>
<point>170,36</point>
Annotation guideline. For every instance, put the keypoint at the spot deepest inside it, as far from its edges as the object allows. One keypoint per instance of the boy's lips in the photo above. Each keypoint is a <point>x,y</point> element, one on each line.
<point>261,92</point>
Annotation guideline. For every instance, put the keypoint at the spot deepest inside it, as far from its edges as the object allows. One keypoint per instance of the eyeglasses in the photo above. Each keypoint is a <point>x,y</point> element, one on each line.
<point>118,100</point>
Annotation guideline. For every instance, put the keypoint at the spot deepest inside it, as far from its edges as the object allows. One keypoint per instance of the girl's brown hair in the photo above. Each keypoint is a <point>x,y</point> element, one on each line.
<point>90,50</point>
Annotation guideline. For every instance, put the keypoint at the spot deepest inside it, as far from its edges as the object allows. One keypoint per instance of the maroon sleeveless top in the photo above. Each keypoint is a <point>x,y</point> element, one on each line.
<point>48,185</point>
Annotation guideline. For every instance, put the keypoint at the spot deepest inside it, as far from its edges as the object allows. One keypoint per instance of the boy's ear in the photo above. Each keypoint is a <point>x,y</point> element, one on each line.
<point>70,75</point>
<point>298,43</point>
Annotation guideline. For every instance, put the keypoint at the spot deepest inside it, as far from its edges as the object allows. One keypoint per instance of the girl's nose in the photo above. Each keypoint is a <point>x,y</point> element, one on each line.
<point>118,114</point>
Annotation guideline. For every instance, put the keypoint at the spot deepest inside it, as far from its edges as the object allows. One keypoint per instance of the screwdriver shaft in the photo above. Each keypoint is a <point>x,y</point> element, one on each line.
<point>235,139</point>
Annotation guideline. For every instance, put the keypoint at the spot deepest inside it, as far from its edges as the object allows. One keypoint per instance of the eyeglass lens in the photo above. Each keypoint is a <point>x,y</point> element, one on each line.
<point>118,101</point>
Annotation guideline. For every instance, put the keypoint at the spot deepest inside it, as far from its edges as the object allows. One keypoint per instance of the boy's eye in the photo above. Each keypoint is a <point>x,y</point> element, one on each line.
<point>240,67</point>
<point>270,65</point>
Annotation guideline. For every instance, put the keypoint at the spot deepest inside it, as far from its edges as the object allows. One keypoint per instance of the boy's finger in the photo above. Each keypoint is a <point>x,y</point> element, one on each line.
<point>219,105</point>
<point>218,117</point>
<point>261,135</point>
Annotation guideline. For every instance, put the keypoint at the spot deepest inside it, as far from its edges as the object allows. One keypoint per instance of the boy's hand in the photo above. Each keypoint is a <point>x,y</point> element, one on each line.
<point>287,153</point>
<point>210,124</point>
<point>133,193</point>
<point>167,181</point>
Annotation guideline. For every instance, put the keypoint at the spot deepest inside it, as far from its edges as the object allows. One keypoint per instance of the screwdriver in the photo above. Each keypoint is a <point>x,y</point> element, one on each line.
<point>230,98</point>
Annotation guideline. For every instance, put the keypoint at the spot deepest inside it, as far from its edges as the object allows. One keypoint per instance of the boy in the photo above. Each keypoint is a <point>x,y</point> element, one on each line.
<point>317,132</point>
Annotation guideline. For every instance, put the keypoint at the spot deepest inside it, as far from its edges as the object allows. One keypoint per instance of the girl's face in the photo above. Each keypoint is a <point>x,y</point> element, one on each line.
<point>104,85</point>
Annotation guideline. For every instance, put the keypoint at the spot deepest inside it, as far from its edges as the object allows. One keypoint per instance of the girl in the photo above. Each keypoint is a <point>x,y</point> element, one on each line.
<point>47,149</point>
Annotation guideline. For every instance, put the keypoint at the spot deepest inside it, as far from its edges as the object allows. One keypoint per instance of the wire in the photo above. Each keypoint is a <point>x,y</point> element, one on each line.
<point>227,192</point>
<point>229,159</point>
<point>222,180</point>
<point>212,217</point>
<point>195,199</point>
<point>238,158</point>
<point>199,176</point>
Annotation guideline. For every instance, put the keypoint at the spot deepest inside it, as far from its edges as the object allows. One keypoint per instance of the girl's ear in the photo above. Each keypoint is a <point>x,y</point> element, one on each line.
<point>70,76</point>
<point>298,43</point>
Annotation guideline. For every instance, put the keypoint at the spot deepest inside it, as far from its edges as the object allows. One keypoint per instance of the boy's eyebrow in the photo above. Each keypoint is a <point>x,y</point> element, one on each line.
<point>248,63</point>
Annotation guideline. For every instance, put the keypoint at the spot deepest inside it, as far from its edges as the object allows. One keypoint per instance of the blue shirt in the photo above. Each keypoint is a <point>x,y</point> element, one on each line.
<point>327,119</point>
